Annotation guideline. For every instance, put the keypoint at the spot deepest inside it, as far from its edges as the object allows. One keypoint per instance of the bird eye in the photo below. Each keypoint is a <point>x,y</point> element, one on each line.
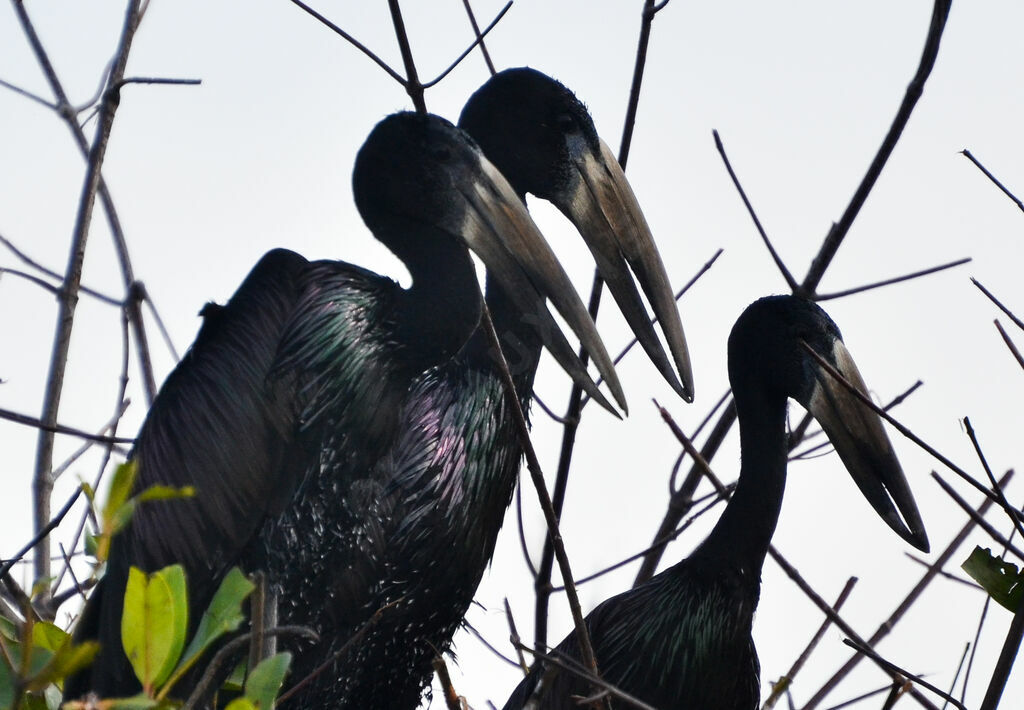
<point>565,122</point>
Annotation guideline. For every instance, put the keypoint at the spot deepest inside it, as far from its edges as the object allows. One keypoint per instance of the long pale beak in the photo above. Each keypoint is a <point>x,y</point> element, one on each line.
<point>856,433</point>
<point>602,206</point>
<point>501,232</point>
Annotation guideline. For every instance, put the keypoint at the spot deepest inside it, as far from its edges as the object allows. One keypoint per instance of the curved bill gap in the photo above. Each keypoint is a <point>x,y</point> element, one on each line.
<point>859,438</point>
<point>607,214</point>
<point>501,232</point>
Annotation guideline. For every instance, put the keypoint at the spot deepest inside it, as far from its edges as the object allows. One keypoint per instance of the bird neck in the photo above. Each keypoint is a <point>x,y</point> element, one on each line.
<point>441,309</point>
<point>745,529</point>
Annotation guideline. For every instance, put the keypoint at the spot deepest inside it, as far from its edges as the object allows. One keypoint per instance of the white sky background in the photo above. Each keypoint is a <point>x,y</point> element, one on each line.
<point>206,179</point>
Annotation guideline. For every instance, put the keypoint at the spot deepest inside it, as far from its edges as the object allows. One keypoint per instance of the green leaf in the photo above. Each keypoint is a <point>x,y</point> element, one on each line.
<point>68,659</point>
<point>87,489</point>
<point>265,681</point>
<point>120,489</point>
<point>241,704</point>
<point>154,623</point>
<point>8,629</point>
<point>1002,580</point>
<point>40,586</point>
<point>222,616</point>
<point>34,702</point>
<point>49,636</point>
<point>92,545</point>
<point>224,613</point>
<point>165,493</point>
<point>6,684</point>
<point>236,681</point>
<point>122,516</point>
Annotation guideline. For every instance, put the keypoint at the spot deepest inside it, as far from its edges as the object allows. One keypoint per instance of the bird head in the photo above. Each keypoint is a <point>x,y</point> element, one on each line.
<point>543,140</point>
<point>785,346</point>
<point>419,179</point>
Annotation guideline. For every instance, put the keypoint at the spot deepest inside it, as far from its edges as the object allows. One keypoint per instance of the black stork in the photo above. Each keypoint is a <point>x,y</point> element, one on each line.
<point>683,639</point>
<point>289,398</point>
<point>440,496</point>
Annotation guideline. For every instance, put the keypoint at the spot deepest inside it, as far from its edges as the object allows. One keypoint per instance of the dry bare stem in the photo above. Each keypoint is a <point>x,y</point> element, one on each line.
<point>887,626</point>
<point>42,483</point>
<point>543,580</point>
<point>787,680</point>
<point>967,154</point>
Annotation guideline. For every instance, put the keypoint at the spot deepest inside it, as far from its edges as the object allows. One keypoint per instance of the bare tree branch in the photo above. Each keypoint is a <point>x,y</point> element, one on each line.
<point>1017,321</point>
<point>576,394</point>
<point>967,154</point>
<point>779,264</point>
<point>478,41</point>
<point>940,12</point>
<point>784,683</point>
<point>480,37</point>
<point>893,668</point>
<point>889,282</point>
<point>889,624</point>
<point>351,40</point>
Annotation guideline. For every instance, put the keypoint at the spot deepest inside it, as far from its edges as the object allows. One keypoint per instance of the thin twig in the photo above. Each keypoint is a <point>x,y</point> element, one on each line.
<point>576,394</point>
<point>565,664</point>
<point>28,94</point>
<point>61,429</point>
<point>967,154</point>
<point>488,645</point>
<point>959,667</point>
<point>451,698</point>
<point>780,265</point>
<point>479,39</point>
<point>351,40</point>
<point>863,696</point>
<point>1017,321</point>
<point>943,573</point>
<point>1005,504</point>
<point>717,498</point>
<point>698,459</point>
<point>476,31</point>
<point>42,483</point>
<point>682,500</point>
<point>158,80</point>
<point>25,258</point>
<point>827,610</point>
<point>889,282</point>
<point>547,410</point>
<point>1009,344</point>
<point>66,464</point>
<point>159,323</point>
<point>797,440</point>
<point>654,319</point>
<point>41,534</point>
<point>537,477</point>
<point>887,626</point>
<point>228,650</point>
<point>784,683</point>
<point>893,668</point>
<point>515,638</point>
<point>837,234</point>
<point>901,428</point>
<point>413,87</point>
<point>69,114</point>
